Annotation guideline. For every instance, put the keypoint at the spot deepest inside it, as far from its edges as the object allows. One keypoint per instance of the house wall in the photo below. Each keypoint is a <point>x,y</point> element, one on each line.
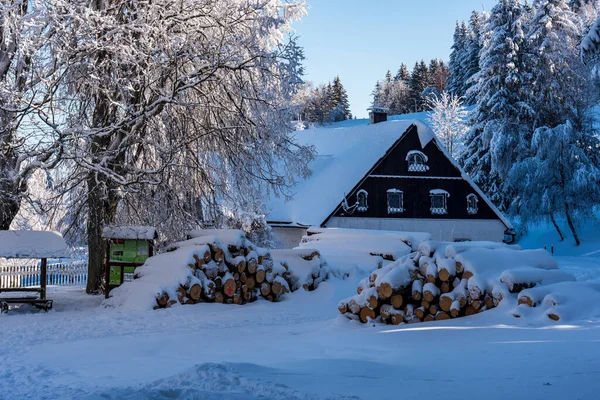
<point>440,229</point>
<point>289,237</point>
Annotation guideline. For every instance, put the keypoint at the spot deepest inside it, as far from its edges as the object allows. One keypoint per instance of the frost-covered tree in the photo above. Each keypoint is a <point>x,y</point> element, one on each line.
<point>26,85</point>
<point>456,77</point>
<point>448,120</point>
<point>500,115</point>
<point>473,45</point>
<point>157,90</point>
<point>562,177</point>
<point>556,72</point>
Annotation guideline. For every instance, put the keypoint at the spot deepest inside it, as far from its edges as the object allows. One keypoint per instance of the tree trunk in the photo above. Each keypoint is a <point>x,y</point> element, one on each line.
<point>556,227</point>
<point>101,211</point>
<point>571,225</point>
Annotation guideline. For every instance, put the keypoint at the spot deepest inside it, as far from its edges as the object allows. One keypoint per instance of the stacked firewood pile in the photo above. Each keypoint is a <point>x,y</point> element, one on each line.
<point>227,268</point>
<point>449,280</point>
<point>306,266</point>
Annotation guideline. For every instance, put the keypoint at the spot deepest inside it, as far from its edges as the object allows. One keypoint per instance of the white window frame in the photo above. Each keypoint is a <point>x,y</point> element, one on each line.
<point>417,161</point>
<point>472,209</point>
<point>359,207</point>
<point>439,193</point>
<point>395,210</point>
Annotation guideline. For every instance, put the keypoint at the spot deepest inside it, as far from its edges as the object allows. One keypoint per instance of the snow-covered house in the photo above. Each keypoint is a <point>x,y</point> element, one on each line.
<point>393,175</point>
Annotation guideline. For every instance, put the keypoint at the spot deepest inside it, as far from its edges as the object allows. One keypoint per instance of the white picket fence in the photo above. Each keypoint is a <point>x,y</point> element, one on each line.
<point>14,275</point>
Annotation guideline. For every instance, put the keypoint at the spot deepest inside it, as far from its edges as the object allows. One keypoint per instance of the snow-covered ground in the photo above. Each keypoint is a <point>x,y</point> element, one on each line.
<point>297,349</point>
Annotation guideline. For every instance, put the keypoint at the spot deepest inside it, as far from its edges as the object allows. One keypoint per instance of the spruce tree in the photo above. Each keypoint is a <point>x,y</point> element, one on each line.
<point>419,80</point>
<point>472,54</point>
<point>454,83</point>
<point>403,74</point>
<point>339,99</point>
<point>494,142</point>
<point>553,45</point>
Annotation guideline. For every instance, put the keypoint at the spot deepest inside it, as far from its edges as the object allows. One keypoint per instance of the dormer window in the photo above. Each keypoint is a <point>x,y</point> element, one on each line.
<point>439,201</point>
<point>395,201</point>
<point>472,204</point>
<point>361,200</point>
<point>417,161</point>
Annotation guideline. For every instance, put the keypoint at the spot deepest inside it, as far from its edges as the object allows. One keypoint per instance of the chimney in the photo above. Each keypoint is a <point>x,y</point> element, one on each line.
<point>378,114</point>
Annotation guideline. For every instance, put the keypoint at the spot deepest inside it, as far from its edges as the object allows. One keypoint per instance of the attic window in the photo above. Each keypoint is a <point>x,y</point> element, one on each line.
<point>361,200</point>
<point>439,201</point>
<point>417,161</point>
<point>395,201</point>
<point>472,204</point>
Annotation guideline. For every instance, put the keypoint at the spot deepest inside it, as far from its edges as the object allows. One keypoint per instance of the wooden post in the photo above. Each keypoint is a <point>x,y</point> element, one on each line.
<point>107,270</point>
<point>43,279</point>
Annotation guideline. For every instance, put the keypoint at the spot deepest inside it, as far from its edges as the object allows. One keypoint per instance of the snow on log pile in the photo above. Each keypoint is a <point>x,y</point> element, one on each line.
<point>449,280</point>
<point>561,301</point>
<point>346,249</point>
<point>307,268</point>
<point>219,266</point>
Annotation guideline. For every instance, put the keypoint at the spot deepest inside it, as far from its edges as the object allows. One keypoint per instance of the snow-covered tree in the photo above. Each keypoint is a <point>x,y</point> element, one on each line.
<point>456,77</point>
<point>494,140</point>
<point>555,70</point>
<point>448,120</point>
<point>159,90</point>
<point>561,178</point>
<point>26,85</point>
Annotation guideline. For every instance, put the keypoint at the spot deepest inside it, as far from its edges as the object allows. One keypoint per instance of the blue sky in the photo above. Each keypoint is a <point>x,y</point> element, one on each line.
<point>359,40</point>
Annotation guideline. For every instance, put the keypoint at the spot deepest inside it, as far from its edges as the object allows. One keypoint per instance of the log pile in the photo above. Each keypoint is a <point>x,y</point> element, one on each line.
<point>306,266</point>
<point>228,273</point>
<point>228,268</point>
<point>447,280</point>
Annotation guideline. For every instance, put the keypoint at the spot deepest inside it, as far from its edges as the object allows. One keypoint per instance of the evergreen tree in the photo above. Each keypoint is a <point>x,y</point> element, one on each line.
<point>339,100</point>
<point>402,74</point>
<point>438,75</point>
<point>493,143</point>
<point>419,80</point>
<point>553,39</point>
<point>455,80</point>
<point>563,176</point>
<point>472,54</point>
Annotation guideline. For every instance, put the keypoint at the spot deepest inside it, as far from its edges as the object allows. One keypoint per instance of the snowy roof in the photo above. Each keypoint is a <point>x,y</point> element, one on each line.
<point>32,244</point>
<point>129,232</point>
<point>345,154</point>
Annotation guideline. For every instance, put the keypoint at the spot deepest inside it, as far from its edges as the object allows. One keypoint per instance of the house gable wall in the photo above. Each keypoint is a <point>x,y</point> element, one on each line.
<point>392,173</point>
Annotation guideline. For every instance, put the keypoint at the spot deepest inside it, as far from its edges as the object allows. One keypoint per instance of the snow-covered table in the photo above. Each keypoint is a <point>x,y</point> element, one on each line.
<point>27,245</point>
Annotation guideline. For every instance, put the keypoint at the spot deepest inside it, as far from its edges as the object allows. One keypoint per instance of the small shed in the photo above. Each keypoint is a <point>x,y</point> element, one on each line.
<point>128,247</point>
<point>31,245</point>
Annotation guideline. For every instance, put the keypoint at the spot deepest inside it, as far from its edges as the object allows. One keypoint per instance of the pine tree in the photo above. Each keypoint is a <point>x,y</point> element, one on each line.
<point>419,80</point>
<point>455,81</point>
<point>438,75</point>
<point>472,54</point>
<point>402,74</point>
<point>339,100</point>
<point>494,143</point>
<point>553,39</point>
<point>563,176</point>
